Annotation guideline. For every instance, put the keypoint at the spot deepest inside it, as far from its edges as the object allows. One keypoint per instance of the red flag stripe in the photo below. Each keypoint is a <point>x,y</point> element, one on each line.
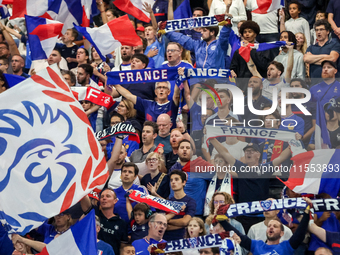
<point>47,31</point>
<point>128,7</point>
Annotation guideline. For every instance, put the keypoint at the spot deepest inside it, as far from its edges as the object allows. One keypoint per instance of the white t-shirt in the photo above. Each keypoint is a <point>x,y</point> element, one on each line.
<point>258,232</point>
<point>267,22</point>
<point>121,67</point>
<point>115,182</point>
<point>299,25</point>
<point>236,9</point>
<point>236,150</point>
<point>267,90</point>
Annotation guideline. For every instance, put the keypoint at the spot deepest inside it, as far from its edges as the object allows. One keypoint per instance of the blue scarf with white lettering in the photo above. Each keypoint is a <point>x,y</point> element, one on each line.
<point>319,205</point>
<point>162,74</point>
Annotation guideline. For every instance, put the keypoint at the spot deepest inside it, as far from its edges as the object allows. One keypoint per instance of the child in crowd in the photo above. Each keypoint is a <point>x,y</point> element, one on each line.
<point>296,23</point>
<point>195,228</point>
<point>139,219</point>
<point>69,48</point>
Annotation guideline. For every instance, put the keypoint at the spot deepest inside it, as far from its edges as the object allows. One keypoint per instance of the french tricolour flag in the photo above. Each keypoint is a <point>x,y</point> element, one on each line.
<point>111,35</point>
<point>315,172</point>
<point>266,6</point>
<point>4,13</point>
<point>80,239</point>
<point>134,8</point>
<point>42,36</point>
<point>245,50</point>
<point>46,8</point>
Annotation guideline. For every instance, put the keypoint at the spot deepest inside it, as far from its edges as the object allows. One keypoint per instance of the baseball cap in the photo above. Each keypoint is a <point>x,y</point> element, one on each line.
<point>330,62</point>
<point>253,146</point>
<point>140,29</point>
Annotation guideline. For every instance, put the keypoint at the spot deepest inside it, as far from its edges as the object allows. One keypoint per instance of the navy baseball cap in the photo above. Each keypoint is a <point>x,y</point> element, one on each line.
<point>253,146</point>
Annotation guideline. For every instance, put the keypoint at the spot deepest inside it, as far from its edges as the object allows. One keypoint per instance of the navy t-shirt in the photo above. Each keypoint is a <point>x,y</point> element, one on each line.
<point>68,52</point>
<point>251,186</point>
<point>138,231</point>
<point>190,209</point>
<point>160,9</point>
<point>164,187</point>
<point>6,245</point>
<point>333,240</point>
<point>334,7</point>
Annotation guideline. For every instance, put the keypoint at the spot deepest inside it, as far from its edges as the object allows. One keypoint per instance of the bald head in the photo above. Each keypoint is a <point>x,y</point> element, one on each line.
<point>164,125</point>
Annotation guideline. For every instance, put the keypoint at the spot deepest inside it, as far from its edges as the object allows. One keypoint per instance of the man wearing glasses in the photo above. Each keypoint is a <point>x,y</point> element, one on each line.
<point>157,227</point>
<point>252,182</point>
<point>324,49</point>
<point>152,109</point>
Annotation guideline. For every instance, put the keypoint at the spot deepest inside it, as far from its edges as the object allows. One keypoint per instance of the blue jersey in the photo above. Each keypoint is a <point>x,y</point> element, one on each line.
<point>173,83</point>
<point>293,123</point>
<point>258,247</point>
<point>120,206</point>
<point>104,248</point>
<point>153,109</point>
<point>141,245</point>
<point>130,146</point>
<point>323,92</point>
<point>159,58</point>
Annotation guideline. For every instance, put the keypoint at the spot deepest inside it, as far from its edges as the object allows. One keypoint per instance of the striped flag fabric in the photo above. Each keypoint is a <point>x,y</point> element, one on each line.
<point>80,239</point>
<point>182,9</point>
<point>42,36</point>
<point>4,13</point>
<point>111,35</point>
<point>48,149</point>
<point>264,6</point>
<point>93,95</point>
<point>134,8</point>
<point>315,172</point>
<point>245,50</point>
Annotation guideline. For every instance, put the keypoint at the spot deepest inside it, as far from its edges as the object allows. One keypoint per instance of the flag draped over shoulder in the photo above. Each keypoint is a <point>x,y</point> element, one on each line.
<point>49,156</point>
<point>80,239</point>
<point>134,8</point>
<point>315,172</point>
<point>111,35</point>
<point>42,36</point>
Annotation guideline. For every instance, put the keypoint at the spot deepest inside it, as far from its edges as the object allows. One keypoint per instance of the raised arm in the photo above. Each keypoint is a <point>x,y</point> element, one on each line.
<point>148,8</point>
<point>283,156</point>
<point>13,49</point>
<point>223,151</point>
<point>282,17</point>
<point>127,94</point>
<point>290,62</point>
<point>299,235</point>
<point>176,95</point>
<point>115,155</point>
<point>101,8</point>
<point>170,10</point>
<point>36,245</point>
<point>319,232</point>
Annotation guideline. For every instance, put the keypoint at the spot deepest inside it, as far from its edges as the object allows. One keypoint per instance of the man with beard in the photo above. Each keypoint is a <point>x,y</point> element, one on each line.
<point>330,87</point>
<point>310,106</point>
<point>84,74</point>
<point>195,187</point>
<point>259,101</point>
<point>178,223</point>
<point>18,63</point>
<point>275,231</point>
<point>210,52</point>
<point>126,53</point>
<point>149,134</point>
<point>157,226</point>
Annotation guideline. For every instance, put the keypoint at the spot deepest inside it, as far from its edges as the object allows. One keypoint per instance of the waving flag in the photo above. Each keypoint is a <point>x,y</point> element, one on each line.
<point>111,35</point>
<point>315,172</point>
<point>49,156</point>
<point>64,11</point>
<point>134,8</point>
<point>4,13</point>
<point>245,50</point>
<point>264,6</point>
<point>93,95</point>
<point>182,9</point>
<point>322,140</point>
<point>80,239</point>
<point>13,79</point>
<point>42,36</point>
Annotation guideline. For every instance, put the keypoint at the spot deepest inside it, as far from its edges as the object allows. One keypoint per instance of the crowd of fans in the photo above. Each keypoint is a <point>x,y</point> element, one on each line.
<point>171,140</point>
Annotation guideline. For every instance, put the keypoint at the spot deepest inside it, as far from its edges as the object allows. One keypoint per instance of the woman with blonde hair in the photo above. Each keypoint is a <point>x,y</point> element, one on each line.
<point>158,183</point>
<point>221,198</point>
<point>127,110</point>
<point>301,46</point>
